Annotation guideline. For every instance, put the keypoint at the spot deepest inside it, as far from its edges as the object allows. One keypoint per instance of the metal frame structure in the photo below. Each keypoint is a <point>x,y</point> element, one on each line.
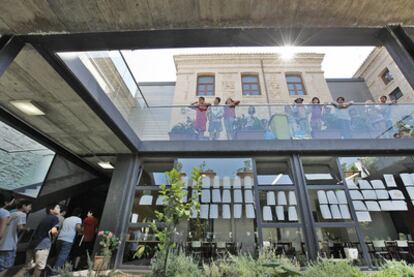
<point>396,39</point>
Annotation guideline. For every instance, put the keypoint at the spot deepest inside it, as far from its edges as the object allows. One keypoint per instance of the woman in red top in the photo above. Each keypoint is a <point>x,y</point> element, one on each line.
<point>230,116</point>
<point>90,227</point>
<point>200,122</point>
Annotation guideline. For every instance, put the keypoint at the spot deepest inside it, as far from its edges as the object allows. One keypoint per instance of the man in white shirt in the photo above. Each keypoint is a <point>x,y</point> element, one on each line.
<point>5,256</point>
<point>8,244</point>
<point>70,227</point>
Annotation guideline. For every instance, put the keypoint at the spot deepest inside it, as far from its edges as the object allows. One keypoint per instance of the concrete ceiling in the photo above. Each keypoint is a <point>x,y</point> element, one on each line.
<point>68,120</point>
<point>45,16</point>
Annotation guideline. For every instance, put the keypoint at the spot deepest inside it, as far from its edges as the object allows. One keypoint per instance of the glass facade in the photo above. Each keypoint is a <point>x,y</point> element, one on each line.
<point>360,208</point>
<point>24,163</point>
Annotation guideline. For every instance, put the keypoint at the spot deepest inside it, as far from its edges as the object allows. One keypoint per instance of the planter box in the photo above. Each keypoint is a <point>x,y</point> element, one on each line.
<point>182,136</point>
<point>250,135</point>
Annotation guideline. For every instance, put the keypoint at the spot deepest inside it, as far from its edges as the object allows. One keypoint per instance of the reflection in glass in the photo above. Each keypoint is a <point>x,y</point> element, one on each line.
<point>381,189</point>
<point>339,243</point>
<point>285,241</point>
<point>24,163</point>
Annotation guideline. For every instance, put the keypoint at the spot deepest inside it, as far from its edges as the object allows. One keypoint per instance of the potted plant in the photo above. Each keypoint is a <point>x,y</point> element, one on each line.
<point>249,128</point>
<point>108,244</point>
<point>183,131</point>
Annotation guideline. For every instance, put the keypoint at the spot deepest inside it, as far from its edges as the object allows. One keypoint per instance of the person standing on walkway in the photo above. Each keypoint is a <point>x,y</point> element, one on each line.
<point>230,116</point>
<point>39,246</point>
<point>17,224</point>
<point>70,227</point>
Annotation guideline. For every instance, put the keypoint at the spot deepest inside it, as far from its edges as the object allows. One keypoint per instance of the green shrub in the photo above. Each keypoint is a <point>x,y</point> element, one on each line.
<point>395,269</point>
<point>330,268</point>
<point>178,266</point>
<point>267,264</point>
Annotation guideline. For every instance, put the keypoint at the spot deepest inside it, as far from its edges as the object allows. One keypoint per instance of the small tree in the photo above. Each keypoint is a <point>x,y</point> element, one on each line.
<point>175,210</point>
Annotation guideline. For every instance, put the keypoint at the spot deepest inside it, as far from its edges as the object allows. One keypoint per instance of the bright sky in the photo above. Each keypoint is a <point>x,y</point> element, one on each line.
<point>158,65</point>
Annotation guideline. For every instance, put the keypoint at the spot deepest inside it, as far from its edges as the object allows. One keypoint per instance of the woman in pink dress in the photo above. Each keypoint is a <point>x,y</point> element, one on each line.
<point>200,122</point>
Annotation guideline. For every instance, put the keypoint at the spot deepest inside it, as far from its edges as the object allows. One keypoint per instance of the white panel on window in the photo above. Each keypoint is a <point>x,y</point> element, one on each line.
<point>292,198</point>
<point>226,182</point>
<point>363,217</point>
<point>226,196</point>
<point>359,206</point>
<point>292,214</point>
<point>322,197</point>
<point>399,205</point>
<point>382,194</point>
<point>407,179</point>
<point>280,213</point>
<point>248,182</point>
<point>185,180</point>
<point>185,196</point>
<point>331,197</point>
<point>270,197</point>
<point>396,194</point>
<point>373,206</point>
<point>216,182</point>
<point>364,184</point>
<point>350,184</point>
<point>213,211</point>
<point>326,213</point>
<point>281,198</point>
<point>146,200</point>
<point>377,184</point>
<point>369,194</point>
<point>226,211</point>
<point>336,214</point>
<point>216,196</point>
<point>160,200</point>
<point>237,210</point>
<point>204,211</point>
<point>267,213</point>
<point>248,196</point>
<point>356,195</point>
<point>205,182</point>
<point>340,195</point>
<point>390,181</point>
<point>236,182</point>
<point>205,196</point>
<point>386,205</point>
<point>410,191</point>
<point>318,176</point>
<point>344,211</point>
<point>250,211</point>
<point>237,196</point>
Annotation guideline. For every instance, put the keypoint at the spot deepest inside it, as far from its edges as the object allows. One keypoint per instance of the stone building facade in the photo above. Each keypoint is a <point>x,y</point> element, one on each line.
<point>383,77</point>
<point>271,70</point>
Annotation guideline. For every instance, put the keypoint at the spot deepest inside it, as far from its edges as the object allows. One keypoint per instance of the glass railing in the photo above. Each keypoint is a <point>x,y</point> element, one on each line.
<point>273,122</point>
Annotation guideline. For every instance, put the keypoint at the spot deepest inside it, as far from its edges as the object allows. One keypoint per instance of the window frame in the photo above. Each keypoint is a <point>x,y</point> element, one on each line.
<point>383,76</point>
<point>205,85</point>
<point>247,75</point>
<point>295,84</point>
<point>391,94</point>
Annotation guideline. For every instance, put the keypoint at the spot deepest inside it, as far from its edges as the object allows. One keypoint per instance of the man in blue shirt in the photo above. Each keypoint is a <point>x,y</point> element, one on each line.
<point>70,227</point>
